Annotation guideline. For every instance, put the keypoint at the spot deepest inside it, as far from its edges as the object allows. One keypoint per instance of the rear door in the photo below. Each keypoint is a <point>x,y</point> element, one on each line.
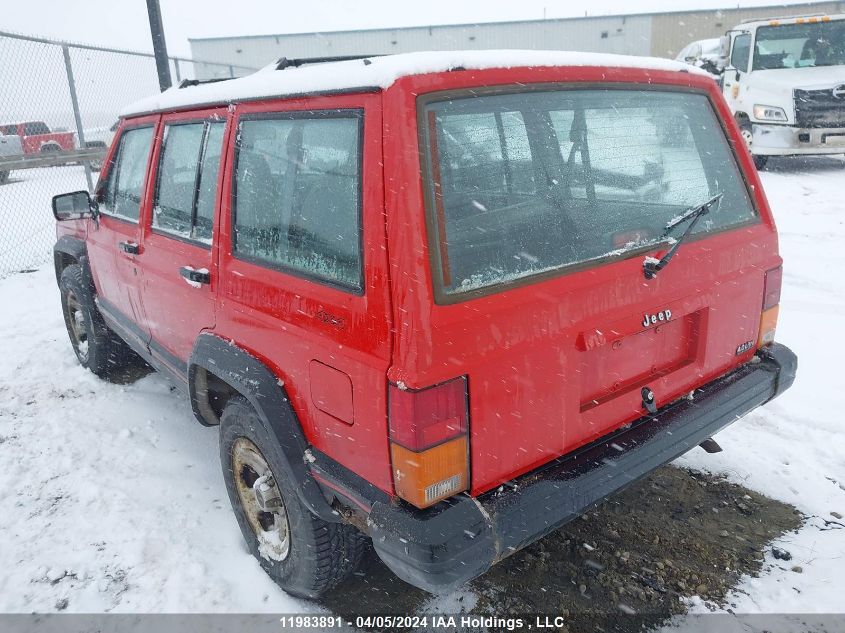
<point>114,243</point>
<point>180,272</point>
<point>543,206</point>
<point>304,267</point>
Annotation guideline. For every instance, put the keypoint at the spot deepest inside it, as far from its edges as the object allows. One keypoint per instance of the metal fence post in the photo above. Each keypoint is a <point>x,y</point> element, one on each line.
<point>231,71</point>
<point>176,68</point>
<point>80,133</point>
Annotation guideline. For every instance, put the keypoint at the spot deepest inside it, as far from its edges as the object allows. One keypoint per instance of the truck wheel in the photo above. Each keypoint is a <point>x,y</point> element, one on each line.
<point>4,177</point>
<point>303,554</point>
<point>96,347</point>
<point>748,136</point>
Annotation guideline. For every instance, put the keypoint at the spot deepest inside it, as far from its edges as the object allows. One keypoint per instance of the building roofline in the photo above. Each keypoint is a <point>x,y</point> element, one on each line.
<point>781,7</point>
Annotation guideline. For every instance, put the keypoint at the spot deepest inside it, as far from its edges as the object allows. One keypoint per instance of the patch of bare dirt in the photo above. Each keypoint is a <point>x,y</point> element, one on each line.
<point>676,534</point>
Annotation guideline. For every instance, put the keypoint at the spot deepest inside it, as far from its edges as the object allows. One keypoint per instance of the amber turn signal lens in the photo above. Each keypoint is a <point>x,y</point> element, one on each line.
<point>431,475</point>
<point>768,325</point>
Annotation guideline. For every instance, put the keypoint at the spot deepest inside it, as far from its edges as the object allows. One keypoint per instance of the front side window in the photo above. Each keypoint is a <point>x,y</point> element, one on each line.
<point>297,194</point>
<point>800,45</point>
<point>124,188</point>
<point>526,184</point>
<point>187,180</point>
<point>741,52</point>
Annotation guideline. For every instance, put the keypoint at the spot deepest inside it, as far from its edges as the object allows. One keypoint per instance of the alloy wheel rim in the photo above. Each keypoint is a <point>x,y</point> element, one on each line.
<point>255,482</point>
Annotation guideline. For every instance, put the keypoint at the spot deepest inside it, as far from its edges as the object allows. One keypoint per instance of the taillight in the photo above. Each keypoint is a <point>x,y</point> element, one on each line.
<point>771,298</point>
<point>771,287</point>
<point>428,441</point>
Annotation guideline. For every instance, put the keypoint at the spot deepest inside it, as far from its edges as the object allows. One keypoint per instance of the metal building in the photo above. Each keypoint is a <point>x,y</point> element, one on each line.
<point>655,34</point>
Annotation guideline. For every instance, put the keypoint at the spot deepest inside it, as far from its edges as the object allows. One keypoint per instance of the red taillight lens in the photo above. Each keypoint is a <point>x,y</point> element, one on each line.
<point>421,419</point>
<point>771,287</point>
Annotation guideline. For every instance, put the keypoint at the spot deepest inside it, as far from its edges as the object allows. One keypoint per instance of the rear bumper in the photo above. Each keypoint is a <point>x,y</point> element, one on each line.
<point>442,547</point>
<point>786,140</point>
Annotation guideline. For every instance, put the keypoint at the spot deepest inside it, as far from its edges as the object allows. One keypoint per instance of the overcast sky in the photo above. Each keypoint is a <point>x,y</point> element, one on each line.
<point>124,24</point>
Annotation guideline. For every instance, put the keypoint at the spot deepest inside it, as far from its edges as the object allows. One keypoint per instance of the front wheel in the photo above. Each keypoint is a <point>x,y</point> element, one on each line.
<point>96,347</point>
<point>303,554</point>
<point>748,136</point>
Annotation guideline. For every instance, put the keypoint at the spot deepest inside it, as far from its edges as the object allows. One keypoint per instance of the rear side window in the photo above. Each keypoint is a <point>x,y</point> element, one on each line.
<point>526,184</point>
<point>125,186</point>
<point>187,180</point>
<point>297,195</point>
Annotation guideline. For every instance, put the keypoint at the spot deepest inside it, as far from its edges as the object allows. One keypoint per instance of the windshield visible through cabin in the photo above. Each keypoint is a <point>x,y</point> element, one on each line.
<point>528,183</point>
<point>800,45</point>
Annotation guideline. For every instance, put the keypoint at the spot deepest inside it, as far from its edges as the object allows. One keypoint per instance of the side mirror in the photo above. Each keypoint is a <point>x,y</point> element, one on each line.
<point>74,206</point>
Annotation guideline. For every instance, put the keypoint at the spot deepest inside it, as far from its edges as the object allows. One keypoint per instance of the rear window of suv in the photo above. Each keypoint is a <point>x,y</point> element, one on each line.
<point>530,184</point>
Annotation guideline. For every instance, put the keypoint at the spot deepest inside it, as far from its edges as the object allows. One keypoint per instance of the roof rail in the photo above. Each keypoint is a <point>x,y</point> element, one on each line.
<point>187,83</point>
<point>784,17</point>
<point>285,62</point>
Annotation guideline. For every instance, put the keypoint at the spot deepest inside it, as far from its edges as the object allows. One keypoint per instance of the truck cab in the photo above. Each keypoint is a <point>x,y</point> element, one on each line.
<point>784,80</point>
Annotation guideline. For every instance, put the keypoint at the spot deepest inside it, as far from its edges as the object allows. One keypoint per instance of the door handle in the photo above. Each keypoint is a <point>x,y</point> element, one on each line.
<point>196,276</point>
<point>129,247</point>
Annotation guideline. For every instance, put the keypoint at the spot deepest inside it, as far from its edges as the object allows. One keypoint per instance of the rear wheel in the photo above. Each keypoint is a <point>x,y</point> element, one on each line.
<point>96,347</point>
<point>303,554</point>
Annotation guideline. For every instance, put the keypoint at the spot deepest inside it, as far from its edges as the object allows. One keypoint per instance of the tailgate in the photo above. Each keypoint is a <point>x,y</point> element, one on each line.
<point>542,208</point>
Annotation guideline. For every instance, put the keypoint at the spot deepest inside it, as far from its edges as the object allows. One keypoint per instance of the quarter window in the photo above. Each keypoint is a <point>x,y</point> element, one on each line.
<point>187,180</point>
<point>125,186</point>
<point>297,195</point>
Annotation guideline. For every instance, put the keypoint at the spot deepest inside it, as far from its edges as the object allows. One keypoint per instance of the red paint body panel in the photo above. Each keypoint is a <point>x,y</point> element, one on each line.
<point>550,365</point>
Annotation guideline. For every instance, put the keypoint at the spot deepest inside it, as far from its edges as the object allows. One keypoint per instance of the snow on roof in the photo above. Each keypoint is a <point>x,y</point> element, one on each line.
<point>379,72</point>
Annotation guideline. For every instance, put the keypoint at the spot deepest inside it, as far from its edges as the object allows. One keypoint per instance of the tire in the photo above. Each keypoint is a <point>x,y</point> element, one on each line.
<point>4,177</point>
<point>748,135</point>
<point>316,556</point>
<point>96,347</point>
<point>96,165</point>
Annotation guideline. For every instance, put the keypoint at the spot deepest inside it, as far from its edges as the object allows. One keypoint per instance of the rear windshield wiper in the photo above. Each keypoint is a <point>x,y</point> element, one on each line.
<point>652,266</point>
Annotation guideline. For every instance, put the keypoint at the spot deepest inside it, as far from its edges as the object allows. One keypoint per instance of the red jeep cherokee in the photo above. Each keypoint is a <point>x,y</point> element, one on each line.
<point>444,301</point>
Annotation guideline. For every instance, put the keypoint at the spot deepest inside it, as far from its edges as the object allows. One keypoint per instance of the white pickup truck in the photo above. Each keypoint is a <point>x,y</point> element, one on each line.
<point>785,82</point>
<point>10,146</point>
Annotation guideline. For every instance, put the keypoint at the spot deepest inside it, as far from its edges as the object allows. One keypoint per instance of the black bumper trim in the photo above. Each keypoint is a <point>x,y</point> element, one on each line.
<point>440,548</point>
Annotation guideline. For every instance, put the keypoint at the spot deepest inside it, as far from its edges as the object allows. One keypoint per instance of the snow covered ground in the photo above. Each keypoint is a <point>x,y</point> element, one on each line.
<point>111,497</point>
<point>27,227</point>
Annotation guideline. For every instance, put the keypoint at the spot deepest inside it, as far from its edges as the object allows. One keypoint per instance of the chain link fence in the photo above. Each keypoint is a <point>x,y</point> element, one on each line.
<point>59,103</point>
